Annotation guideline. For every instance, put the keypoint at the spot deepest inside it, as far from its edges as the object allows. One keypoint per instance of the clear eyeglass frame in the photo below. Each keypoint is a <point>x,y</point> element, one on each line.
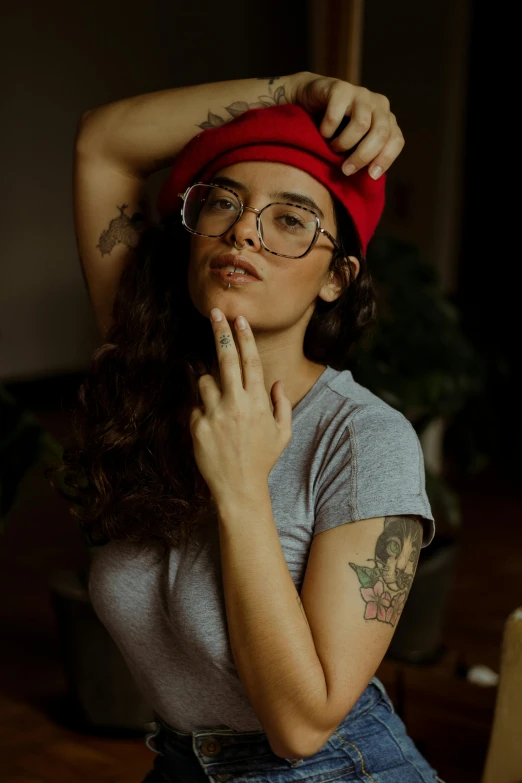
<point>318,229</point>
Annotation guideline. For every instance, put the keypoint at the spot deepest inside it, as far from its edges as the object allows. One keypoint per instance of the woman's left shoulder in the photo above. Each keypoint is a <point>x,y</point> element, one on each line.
<point>379,418</point>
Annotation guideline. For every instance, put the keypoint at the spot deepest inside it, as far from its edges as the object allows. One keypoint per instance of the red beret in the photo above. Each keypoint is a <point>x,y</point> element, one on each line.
<point>282,134</point>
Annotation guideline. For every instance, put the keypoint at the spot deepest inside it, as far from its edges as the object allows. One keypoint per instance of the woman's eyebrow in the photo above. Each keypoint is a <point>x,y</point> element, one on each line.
<point>286,195</point>
<point>297,198</point>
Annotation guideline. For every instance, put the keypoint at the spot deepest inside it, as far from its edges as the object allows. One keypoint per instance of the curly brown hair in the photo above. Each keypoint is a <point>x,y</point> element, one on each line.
<point>129,468</point>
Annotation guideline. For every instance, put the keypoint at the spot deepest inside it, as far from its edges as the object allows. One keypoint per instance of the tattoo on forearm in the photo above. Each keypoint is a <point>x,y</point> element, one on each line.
<point>274,98</point>
<point>386,586</point>
<point>123,229</point>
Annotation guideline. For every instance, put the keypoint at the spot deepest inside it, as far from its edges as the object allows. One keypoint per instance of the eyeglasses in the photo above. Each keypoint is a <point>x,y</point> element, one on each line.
<point>287,230</point>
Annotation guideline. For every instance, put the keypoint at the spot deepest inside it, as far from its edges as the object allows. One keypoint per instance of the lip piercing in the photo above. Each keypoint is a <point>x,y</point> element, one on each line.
<point>237,248</point>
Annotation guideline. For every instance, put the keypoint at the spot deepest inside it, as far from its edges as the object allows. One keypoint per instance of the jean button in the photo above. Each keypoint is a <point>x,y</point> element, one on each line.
<point>211,746</point>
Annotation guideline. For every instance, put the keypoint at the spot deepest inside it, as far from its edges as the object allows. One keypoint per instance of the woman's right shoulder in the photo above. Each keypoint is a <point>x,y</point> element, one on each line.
<point>119,563</point>
<point>121,554</point>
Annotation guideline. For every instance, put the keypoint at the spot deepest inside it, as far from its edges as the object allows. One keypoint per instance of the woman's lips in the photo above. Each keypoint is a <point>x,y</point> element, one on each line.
<point>234,277</point>
<point>240,262</point>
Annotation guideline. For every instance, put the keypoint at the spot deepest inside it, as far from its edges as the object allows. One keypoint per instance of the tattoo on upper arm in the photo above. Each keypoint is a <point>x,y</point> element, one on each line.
<point>123,229</point>
<point>274,98</point>
<point>385,587</point>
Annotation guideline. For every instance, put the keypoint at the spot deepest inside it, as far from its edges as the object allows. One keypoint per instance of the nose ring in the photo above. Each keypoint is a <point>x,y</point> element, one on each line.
<point>237,248</point>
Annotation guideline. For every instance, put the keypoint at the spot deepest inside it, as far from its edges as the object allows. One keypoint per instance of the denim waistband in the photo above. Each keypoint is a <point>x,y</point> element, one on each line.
<point>227,745</point>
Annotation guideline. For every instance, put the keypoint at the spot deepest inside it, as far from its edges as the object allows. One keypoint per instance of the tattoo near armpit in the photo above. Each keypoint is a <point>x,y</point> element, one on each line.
<point>385,587</point>
<point>123,229</point>
<point>274,98</point>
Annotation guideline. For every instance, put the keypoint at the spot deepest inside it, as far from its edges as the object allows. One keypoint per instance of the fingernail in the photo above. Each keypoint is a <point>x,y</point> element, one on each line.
<point>241,322</point>
<point>216,314</point>
<point>376,172</point>
<point>349,169</point>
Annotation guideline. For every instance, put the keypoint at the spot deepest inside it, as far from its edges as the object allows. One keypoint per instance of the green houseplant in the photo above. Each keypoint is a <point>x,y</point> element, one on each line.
<point>418,360</point>
<point>24,443</point>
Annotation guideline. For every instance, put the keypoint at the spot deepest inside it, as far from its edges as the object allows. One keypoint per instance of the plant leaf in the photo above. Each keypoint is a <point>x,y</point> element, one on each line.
<point>367,576</point>
<point>24,443</point>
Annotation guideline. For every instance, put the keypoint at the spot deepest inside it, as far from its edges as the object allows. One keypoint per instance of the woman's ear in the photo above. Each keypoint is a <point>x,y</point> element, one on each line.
<point>356,266</point>
<point>334,287</point>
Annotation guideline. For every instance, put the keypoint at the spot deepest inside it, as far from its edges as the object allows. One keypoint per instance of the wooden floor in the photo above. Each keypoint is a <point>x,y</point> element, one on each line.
<point>447,717</point>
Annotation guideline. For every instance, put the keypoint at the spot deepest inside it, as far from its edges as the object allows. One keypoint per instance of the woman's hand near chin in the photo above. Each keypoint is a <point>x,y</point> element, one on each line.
<point>372,129</point>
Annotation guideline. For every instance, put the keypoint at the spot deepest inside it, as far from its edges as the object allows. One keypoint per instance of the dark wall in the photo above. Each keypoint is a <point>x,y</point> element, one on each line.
<point>489,289</point>
<point>60,59</point>
<point>417,55</point>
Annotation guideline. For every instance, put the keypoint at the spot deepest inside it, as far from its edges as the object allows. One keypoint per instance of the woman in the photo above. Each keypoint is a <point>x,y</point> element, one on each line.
<point>251,615</point>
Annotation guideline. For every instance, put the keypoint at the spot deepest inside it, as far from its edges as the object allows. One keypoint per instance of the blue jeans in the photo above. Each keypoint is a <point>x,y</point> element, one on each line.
<point>371,744</point>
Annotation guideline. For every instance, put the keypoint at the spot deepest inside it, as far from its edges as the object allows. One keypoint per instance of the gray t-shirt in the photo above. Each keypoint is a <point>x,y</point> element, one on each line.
<point>351,457</point>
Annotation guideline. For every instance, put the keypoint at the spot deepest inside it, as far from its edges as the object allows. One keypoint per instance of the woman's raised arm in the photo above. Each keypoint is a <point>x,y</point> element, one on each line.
<point>144,133</point>
<point>118,145</point>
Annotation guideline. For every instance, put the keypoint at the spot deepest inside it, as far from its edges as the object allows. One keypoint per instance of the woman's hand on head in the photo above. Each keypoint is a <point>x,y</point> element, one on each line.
<point>372,127</point>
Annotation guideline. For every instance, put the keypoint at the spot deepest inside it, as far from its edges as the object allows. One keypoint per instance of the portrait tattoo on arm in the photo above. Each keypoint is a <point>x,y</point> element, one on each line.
<point>123,229</point>
<point>386,585</point>
<point>274,98</point>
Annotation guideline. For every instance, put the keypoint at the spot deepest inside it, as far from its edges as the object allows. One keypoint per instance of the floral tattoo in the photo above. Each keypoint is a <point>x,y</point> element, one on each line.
<point>274,98</point>
<point>385,587</point>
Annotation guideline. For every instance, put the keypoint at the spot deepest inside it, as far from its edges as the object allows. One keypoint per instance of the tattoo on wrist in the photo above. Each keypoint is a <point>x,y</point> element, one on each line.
<point>274,98</point>
<point>123,229</point>
<point>385,587</point>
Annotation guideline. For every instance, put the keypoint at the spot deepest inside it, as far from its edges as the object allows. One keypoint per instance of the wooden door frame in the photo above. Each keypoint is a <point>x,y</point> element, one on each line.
<point>336,38</point>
